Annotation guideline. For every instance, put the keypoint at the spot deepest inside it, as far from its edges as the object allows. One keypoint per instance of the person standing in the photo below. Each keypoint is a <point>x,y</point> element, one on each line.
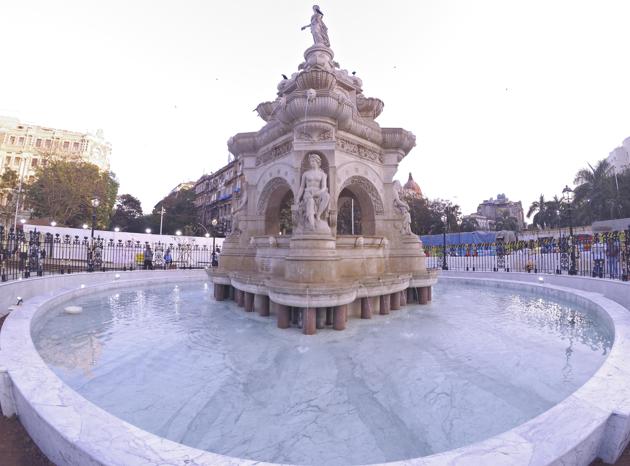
<point>148,258</point>
<point>612,256</point>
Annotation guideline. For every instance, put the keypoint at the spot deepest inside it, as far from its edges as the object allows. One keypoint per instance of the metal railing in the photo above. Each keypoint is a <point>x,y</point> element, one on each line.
<point>602,255</point>
<point>36,254</point>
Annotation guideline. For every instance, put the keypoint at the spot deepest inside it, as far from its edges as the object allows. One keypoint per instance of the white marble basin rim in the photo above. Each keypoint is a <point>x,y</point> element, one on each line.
<point>592,422</point>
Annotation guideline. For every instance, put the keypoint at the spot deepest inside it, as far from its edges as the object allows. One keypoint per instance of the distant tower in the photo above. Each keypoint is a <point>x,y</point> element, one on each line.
<point>411,189</point>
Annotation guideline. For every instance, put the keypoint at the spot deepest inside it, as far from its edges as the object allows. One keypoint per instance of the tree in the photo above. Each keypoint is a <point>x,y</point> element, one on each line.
<point>63,191</point>
<point>127,213</point>
<point>506,222</point>
<point>8,195</point>
<point>181,213</point>
<point>594,191</point>
<point>540,209</point>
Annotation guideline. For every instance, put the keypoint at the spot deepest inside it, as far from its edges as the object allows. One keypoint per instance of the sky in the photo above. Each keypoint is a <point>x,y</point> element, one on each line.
<point>503,96</point>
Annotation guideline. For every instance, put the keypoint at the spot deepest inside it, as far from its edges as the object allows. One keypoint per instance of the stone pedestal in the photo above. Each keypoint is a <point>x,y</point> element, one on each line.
<point>219,292</point>
<point>240,297</point>
<point>282,312</point>
<point>249,302</point>
<point>261,304</point>
<point>429,297</point>
<point>403,298</point>
<point>311,259</point>
<point>321,317</point>
<point>309,318</point>
<point>366,311</point>
<point>329,316</point>
<point>384,301</point>
<point>424,294</point>
<point>339,317</point>
<point>395,301</point>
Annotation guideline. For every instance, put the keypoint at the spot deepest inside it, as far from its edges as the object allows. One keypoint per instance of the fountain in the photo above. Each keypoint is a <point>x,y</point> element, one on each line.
<point>501,368</point>
<point>321,143</point>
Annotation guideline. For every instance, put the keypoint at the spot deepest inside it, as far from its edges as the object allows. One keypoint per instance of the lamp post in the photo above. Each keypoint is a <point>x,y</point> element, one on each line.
<point>95,202</point>
<point>214,223</point>
<point>444,220</point>
<point>162,212</point>
<point>567,196</point>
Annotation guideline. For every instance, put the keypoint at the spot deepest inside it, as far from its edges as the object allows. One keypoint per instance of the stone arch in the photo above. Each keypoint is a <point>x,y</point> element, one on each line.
<point>370,202</point>
<point>274,196</point>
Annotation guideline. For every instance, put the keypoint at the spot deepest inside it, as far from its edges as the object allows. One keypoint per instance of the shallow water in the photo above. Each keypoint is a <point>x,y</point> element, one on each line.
<point>473,363</point>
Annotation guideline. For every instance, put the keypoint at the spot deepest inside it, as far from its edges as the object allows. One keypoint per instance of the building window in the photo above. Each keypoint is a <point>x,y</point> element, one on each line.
<point>38,143</point>
<point>66,145</point>
<point>34,163</point>
<point>48,143</point>
<point>21,141</point>
<point>75,146</point>
<point>12,140</point>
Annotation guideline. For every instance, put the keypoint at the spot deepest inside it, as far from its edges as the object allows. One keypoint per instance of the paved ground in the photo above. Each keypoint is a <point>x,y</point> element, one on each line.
<point>17,448</point>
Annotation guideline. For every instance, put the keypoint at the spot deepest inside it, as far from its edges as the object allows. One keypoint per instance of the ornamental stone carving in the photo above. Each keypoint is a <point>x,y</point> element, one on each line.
<point>369,188</point>
<point>359,150</point>
<point>275,153</point>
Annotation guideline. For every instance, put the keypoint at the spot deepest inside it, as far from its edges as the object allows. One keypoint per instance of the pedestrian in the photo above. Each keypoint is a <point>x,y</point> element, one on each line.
<point>612,255</point>
<point>168,258</point>
<point>598,252</point>
<point>148,258</point>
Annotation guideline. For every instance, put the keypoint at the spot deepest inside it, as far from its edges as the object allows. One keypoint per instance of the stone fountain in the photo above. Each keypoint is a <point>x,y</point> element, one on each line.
<point>320,232</point>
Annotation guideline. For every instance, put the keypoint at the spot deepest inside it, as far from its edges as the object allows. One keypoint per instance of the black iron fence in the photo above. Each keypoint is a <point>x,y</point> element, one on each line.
<point>24,255</point>
<point>603,255</point>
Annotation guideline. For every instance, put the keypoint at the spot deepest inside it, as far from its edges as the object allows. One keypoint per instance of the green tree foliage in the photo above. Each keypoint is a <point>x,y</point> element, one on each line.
<point>8,191</point>
<point>595,193</point>
<point>127,214</point>
<point>426,215</point>
<point>63,191</point>
<point>180,214</point>
<point>506,222</point>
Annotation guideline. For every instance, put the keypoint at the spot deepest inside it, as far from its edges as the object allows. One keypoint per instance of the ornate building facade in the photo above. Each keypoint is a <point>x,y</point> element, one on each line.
<point>215,193</point>
<point>26,146</point>
<point>619,158</point>
<point>493,209</point>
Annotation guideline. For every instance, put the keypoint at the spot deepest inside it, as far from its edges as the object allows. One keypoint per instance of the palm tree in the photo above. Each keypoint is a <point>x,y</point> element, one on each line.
<point>540,207</point>
<point>594,192</point>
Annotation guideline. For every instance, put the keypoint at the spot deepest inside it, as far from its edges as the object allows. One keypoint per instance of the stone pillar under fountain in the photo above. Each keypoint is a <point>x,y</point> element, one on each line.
<point>291,240</point>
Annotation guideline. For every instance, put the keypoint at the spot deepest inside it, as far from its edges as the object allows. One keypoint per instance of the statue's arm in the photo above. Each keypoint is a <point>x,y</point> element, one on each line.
<point>304,27</point>
<point>323,183</point>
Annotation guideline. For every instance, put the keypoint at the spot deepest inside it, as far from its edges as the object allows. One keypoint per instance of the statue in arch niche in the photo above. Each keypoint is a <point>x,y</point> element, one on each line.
<point>313,198</point>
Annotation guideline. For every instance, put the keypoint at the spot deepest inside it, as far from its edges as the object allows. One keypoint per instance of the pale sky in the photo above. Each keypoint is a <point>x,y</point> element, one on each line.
<point>503,96</point>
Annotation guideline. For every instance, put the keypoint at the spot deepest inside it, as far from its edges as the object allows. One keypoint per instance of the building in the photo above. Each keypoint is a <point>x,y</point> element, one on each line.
<point>493,209</point>
<point>411,189</point>
<point>619,158</point>
<point>214,195</point>
<point>483,222</point>
<point>26,146</point>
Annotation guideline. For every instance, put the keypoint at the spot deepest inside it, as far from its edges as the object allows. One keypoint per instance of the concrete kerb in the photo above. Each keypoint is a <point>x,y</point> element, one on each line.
<point>593,421</point>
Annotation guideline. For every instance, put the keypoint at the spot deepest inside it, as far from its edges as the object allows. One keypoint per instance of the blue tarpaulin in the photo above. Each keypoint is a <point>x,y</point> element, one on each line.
<point>472,237</point>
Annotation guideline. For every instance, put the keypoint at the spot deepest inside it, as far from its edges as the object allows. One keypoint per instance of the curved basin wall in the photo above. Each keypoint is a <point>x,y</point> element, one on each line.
<point>593,421</point>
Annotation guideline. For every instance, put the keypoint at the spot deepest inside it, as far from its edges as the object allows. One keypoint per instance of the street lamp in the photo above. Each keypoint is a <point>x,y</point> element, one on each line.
<point>214,223</point>
<point>568,196</point>
<point>85,226</point>
<point>95,203</point>
<point>444,264</point>
<point>53,224</point>
<point>178,233</point>
<point>117,229</point>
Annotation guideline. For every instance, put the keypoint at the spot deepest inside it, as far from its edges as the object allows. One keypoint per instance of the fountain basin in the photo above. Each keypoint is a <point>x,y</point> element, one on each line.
<point>72,430</point>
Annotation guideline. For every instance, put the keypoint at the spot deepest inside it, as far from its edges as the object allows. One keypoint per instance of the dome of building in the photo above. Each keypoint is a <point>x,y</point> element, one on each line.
<point>411,188</point>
